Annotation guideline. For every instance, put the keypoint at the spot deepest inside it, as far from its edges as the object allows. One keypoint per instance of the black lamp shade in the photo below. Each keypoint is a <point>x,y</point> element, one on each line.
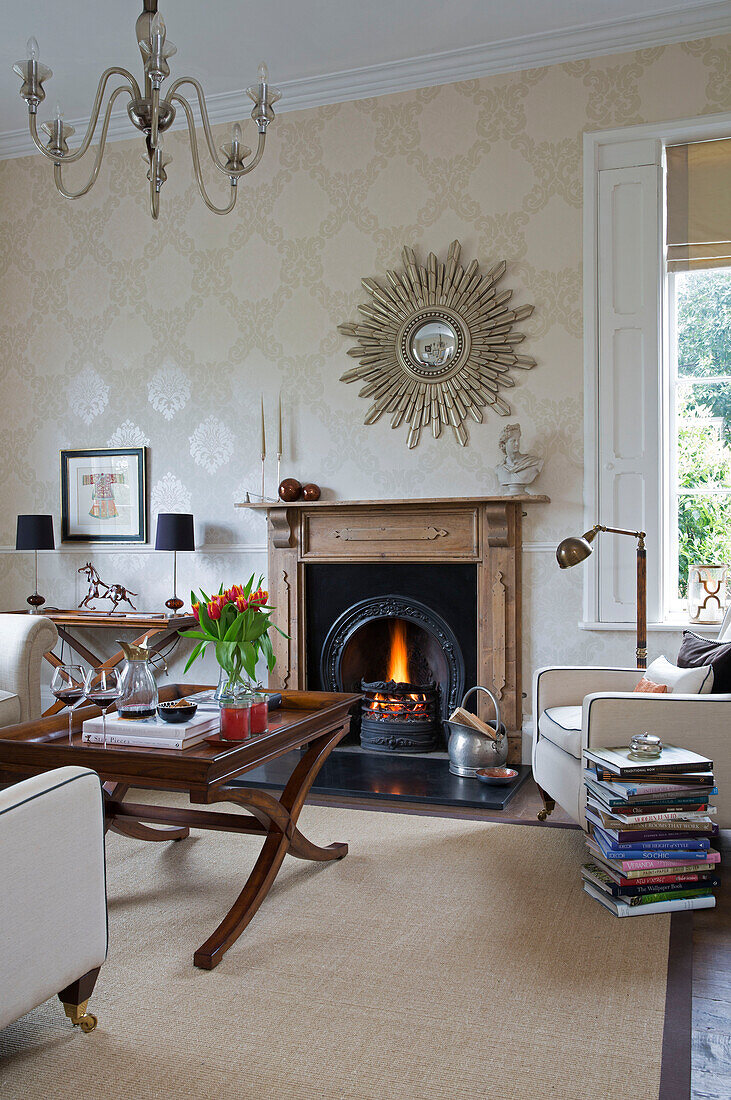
<point>35,533</point>
<point>174,531</point>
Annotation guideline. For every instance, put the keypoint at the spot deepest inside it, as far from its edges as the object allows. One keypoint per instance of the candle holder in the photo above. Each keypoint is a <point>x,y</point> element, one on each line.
<point>707,593</point>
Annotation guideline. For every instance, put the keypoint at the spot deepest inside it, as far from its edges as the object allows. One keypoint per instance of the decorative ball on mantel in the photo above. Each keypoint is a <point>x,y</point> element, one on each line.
<point>290,490</point>
<point>311,491</point>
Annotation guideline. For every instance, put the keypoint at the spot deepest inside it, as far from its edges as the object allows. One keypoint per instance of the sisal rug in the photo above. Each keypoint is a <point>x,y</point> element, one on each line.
<point>441,960</point>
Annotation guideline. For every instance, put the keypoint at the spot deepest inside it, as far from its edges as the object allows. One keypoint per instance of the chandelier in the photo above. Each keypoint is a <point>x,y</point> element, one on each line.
<point>151,112</point>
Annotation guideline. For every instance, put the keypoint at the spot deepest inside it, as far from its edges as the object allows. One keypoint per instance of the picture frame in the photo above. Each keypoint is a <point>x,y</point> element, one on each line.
<point>103,495</point>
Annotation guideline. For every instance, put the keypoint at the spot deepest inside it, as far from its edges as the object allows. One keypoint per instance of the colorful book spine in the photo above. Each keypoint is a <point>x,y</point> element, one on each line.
<point>712,856</point>
<point>668,895</point>
<point>684,845</point>
<point>682,788</point>
<point>623,909</point>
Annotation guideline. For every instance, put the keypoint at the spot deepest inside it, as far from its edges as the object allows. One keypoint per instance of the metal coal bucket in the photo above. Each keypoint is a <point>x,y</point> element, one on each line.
<point>469,749</point>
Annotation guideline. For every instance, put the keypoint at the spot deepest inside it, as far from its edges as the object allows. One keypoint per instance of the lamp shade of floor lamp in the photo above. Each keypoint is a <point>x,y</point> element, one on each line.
<point>174,532</point>
<point>577,549</point>
<point>35,533</point>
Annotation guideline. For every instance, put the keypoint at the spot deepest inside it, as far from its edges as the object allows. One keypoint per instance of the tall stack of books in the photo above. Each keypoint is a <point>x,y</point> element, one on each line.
<point>650,831</point>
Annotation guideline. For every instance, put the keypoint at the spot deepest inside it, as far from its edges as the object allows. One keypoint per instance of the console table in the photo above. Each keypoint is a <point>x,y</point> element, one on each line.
<point>161,627</point>
<point>486,531</point>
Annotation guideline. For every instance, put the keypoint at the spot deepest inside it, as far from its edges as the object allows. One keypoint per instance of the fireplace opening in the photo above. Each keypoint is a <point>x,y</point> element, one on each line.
<point>399,712</point>
<point>404,658</point>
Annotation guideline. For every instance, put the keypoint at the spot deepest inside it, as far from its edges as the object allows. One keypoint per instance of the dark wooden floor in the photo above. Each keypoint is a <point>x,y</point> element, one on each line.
<point>711,1059</point>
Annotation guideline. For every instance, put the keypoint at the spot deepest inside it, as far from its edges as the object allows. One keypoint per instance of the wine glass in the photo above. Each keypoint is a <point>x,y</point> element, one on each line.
<point>67,685</point>
<point>103,687</point>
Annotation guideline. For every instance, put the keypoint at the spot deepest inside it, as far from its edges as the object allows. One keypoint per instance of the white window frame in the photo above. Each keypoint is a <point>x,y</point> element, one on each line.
<point>675,385</point>
<point>631,148</point>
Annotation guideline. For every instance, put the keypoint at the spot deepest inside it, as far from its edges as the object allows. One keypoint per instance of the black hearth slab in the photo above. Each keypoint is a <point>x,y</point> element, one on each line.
<point>389,777</point>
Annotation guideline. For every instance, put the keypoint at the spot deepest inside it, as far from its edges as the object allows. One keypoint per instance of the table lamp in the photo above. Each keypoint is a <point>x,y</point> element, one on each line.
<point>174,532</point>
<point>574,550</point>
<point>35,533</point>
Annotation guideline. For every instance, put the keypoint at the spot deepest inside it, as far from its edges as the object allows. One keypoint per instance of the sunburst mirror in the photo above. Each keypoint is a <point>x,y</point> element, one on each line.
<point>436,345</point>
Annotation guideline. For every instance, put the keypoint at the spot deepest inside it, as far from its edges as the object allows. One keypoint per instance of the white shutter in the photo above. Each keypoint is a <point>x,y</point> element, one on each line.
<point>629,320</point>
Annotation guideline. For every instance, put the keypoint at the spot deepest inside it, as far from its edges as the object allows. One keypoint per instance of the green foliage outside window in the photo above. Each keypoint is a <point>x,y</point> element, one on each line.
<point>704,451</point>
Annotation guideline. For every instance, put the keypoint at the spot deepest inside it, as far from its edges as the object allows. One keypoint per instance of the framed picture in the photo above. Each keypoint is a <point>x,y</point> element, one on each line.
<point>103,495</point>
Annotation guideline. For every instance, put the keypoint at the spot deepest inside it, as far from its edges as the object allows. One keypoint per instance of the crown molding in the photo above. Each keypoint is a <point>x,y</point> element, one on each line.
<point>528,51</point>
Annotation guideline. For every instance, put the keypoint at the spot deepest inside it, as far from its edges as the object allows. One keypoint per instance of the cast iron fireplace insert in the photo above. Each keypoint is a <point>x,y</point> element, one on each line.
<point>354,613</point>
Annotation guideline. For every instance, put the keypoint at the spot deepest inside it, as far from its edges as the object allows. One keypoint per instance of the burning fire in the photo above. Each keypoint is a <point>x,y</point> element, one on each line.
<point>400,705</point>
<point>398,660</point>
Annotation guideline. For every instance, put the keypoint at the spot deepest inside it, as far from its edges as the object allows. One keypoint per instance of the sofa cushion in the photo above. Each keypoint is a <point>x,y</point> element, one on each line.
<point>683,681</point>
<point>562,726</point>
<point>649,687</point>
<point>9,708</point>
<point>697,651</point>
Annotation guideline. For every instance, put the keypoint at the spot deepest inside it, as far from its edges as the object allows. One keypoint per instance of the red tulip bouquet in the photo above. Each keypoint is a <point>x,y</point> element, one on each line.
<point>237,622</point>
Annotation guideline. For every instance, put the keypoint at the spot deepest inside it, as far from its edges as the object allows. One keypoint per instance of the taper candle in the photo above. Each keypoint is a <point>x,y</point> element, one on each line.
<point>263,433</point>
<point>279,440</point>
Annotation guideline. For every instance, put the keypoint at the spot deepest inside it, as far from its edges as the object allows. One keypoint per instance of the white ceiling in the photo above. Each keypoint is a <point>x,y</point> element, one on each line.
<point>313,47</point>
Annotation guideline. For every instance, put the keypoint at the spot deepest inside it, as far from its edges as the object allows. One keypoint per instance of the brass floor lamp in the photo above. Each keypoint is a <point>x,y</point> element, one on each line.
<point>574,550</point>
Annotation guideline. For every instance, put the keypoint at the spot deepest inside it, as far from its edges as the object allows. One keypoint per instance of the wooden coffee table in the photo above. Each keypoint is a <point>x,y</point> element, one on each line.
<point>312,721</point>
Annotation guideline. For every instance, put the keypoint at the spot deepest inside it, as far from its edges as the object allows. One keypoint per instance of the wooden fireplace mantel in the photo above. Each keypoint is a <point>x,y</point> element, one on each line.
<point>485,530</point>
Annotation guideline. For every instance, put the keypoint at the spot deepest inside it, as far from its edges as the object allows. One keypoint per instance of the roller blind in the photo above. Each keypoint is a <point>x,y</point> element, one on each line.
<point>699,205</point>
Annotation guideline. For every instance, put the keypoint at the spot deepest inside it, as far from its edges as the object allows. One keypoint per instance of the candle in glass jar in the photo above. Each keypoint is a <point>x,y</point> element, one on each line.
<point>259,714</point>
<point>235,723</point>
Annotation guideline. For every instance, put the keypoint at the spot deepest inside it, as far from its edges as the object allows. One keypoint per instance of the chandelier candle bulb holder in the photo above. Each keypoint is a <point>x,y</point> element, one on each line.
<point>150,111</point>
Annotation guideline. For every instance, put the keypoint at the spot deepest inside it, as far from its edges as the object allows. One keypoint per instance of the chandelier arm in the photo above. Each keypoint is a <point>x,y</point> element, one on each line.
<point>256,158</point>
<point>204,116</point>
<point>154,198</point>
<point>98,159</point>
<point>69,158</point>
<point>197,163</point>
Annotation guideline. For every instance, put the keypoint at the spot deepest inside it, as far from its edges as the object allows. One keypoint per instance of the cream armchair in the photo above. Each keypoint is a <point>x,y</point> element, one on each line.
<point>576,708</point>
<point>23,641</point>
<point>53,909</point>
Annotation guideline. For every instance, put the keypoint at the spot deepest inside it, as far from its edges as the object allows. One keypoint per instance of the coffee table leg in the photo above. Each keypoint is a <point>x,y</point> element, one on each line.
<point>135,829</point>
<point>280,818</point>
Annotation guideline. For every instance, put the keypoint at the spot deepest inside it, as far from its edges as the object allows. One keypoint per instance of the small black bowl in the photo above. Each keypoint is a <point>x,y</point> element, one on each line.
<point>170,712</point>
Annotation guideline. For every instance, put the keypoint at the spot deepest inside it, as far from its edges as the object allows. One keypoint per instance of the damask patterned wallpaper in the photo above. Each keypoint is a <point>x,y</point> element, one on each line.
<point>118,330</point>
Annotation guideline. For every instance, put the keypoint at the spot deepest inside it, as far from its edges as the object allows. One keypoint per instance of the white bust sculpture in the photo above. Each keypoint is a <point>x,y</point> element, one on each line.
<point>517,470</point>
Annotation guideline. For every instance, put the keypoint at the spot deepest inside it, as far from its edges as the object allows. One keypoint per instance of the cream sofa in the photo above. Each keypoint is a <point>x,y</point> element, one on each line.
<point>23,641</point>
<point>53,910</point>
<point>576,708</point>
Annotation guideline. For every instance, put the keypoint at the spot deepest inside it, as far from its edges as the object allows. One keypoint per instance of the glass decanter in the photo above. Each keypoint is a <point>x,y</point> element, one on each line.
<point>138,697</point>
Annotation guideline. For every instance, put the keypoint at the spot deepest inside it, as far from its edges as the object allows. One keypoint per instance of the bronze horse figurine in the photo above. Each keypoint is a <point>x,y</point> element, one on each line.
<point>98,590</point>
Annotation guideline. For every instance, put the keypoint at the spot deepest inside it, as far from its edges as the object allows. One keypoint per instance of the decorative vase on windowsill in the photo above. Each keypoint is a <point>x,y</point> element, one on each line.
<point>236,622</point>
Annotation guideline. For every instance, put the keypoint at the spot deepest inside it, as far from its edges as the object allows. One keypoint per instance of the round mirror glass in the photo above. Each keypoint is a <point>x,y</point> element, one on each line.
<point>433,345</point>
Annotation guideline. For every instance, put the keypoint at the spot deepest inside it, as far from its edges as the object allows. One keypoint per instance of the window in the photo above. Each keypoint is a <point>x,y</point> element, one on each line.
<point>657,344</point>
<point>698,472</point>
<point>698,392</point>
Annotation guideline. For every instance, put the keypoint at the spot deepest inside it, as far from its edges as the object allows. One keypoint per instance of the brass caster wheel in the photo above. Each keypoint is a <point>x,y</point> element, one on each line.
<point>79,1017</point>
<point>542,815</point>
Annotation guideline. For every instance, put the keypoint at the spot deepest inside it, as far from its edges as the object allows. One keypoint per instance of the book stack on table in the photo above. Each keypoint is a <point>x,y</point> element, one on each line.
<point>650,831</point>
<point>152,733</point>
